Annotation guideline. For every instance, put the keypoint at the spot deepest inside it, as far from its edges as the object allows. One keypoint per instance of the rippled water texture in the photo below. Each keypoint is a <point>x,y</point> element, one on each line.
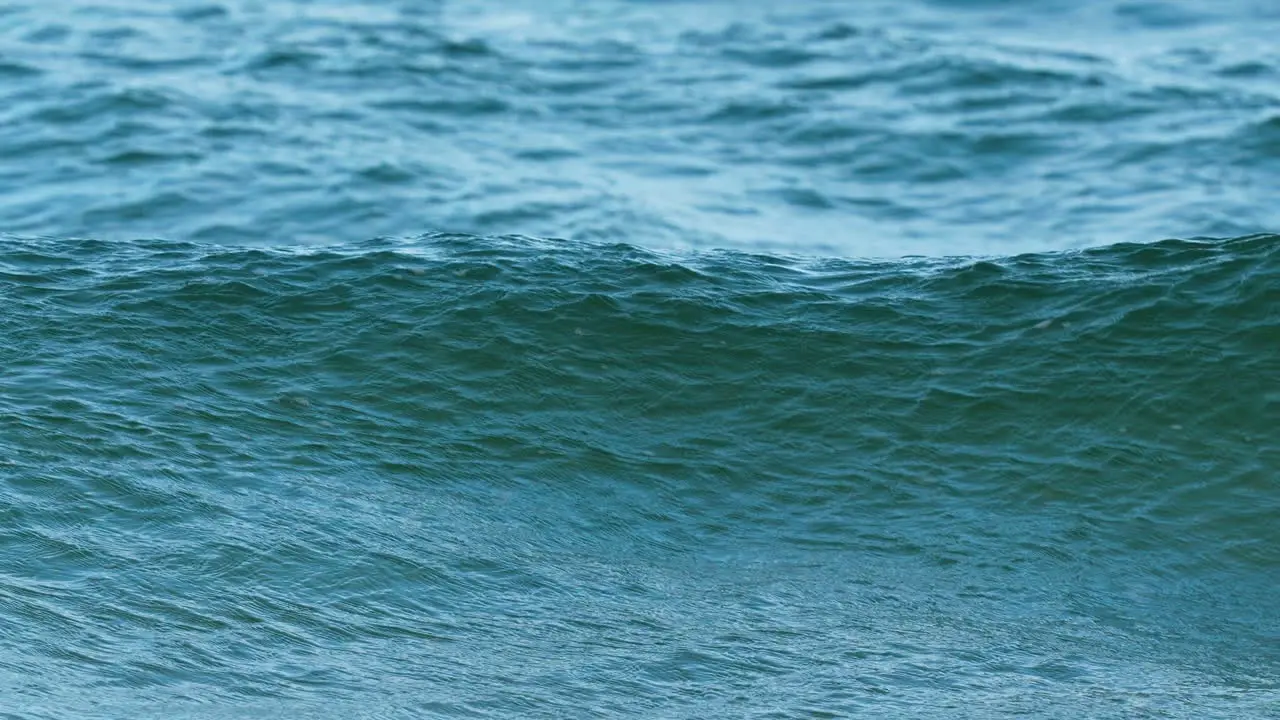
<point>609,359</point>
<point>850,128</point>
<point>467,477</point>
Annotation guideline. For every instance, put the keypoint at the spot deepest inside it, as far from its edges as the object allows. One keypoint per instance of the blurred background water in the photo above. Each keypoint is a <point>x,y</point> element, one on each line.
<point>635,358</point>
<point>849,128</point>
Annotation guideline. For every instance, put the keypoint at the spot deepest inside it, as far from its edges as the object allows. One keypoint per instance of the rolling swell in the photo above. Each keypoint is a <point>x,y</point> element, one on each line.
<point>484,476</point>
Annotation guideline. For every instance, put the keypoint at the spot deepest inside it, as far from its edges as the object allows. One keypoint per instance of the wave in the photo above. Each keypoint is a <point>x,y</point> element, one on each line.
<point>1044,355</point>
<point>417,443</point>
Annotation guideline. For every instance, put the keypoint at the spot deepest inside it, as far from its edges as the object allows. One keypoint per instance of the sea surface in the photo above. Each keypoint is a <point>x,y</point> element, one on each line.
<point>639,359</point>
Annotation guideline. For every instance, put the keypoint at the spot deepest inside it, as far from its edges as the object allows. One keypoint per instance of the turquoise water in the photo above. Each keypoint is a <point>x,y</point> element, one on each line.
<point>639,359</point>
<point>510,477</point>
<point>877,127</point>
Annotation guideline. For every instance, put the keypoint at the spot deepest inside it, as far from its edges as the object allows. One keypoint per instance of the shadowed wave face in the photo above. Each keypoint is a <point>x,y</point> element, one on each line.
<point>496,477</point>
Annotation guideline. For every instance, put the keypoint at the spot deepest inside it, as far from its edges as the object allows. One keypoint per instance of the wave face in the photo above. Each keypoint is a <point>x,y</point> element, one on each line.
<point>846,392</point>
<point>876,128</point>
<point>501,477</point>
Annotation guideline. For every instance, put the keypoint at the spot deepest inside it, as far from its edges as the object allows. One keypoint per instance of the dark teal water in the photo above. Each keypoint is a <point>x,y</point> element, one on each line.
<point>468,476</point>
<point>639,359</point>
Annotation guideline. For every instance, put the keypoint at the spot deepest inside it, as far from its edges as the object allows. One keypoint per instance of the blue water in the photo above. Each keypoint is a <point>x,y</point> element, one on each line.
<point>835,128</point>
<point>639,359</point>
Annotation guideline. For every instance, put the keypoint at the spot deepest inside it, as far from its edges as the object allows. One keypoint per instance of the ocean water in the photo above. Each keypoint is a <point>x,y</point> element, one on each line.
<point>661,359</point>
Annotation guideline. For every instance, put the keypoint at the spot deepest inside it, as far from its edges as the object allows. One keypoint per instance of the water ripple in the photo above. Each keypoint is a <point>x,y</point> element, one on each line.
<point>516,475</point>
<point>886,130</point>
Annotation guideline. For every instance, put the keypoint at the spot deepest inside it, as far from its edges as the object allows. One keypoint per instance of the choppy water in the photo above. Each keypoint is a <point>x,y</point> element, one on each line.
<point>864,128</point>
<point>562,359</point>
